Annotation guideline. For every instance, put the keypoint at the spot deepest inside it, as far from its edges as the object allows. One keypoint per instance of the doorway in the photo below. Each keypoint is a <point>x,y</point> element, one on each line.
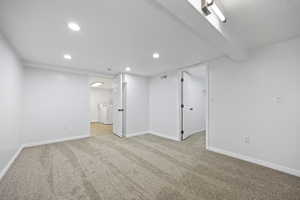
<point>101,106</point>
<point>194,102</point>
<point>107,105</point>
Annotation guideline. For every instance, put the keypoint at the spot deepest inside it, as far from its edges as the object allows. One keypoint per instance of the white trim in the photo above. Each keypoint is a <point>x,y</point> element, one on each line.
<point>181,70</point>
<point>33,144</point>
<point>107,123</point>
<point>11,161</point>
<point>164,136</point>
<point>8,165</point>
<point>136,134</point>
<point>59,68</point>
<point>180,101</point>
<point>123,103</point>
<point>257,161</point>
<point>198,131</point>
<point>207,114</point>
<point>96,121</point>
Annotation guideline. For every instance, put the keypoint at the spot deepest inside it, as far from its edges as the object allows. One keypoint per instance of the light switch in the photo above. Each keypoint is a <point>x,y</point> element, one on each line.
<point>247,140</point>
<point>277,99</point>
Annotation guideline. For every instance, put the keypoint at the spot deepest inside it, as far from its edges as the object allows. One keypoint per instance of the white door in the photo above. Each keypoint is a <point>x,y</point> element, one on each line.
<point>192,105</point>
<point>118,107</point>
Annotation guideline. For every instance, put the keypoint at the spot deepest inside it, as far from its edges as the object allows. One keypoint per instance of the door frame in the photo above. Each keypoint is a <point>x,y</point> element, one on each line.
<point>181,98</point>
<point>123,103</point>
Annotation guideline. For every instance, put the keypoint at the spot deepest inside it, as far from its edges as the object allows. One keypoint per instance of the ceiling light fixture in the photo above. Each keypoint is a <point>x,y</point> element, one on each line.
<point>128,69</point>
<point>155,55</point>
<point>208,7</point>
<point>210,2</point>
<point>97,84</point>
<point>67,57</point>
<point>73,26</point>
<point>215,9</point>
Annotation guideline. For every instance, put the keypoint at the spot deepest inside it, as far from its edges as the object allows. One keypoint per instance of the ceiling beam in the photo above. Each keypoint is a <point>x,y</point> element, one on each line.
<point>27,63</point>
<point>218,34</point>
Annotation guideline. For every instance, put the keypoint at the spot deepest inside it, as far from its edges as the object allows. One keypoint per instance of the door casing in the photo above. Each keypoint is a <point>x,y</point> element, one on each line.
<point>181,103</point>
<point>119,106</point>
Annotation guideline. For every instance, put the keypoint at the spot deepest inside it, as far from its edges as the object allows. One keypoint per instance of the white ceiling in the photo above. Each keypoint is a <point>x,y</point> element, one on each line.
<point>262,22</point>
<point>250,23</point>
<point>118,33</point>
<point>114,33</point>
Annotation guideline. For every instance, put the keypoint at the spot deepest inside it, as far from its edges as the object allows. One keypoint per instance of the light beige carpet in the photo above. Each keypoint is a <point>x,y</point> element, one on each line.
<point>98,129</point>
<point>140,168</point>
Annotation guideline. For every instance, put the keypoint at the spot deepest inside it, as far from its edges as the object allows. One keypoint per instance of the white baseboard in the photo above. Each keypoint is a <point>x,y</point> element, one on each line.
<point>4,171</point>
<point>136,134</point>
<point>55,141</point>
<point>164,136</point>
<point>256,161</point>
<point>95,121</point>
<point>11,161</point>
<point>197,131</point>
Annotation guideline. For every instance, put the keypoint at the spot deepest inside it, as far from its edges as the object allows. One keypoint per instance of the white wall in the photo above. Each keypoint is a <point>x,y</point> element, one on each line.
<point>11,78</point>
<point>99,96</point>
<point>164,106</point>
<point>56,105</point>
<point>137,104</point>
<point>243,104</point>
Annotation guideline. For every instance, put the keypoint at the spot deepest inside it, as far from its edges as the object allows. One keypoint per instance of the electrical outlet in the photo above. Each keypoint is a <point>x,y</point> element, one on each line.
<point>247,140</point>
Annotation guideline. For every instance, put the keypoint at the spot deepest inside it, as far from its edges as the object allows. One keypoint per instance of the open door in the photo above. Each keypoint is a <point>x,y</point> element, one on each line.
<point>118,105</point>
<point>192,105</point>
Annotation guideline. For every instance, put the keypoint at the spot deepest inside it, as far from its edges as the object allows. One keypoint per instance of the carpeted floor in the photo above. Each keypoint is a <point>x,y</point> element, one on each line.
<point>140,168</point>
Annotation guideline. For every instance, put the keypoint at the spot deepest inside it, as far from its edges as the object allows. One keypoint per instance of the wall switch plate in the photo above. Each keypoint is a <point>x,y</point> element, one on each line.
<point>247,140</point>
<point>277,99</point>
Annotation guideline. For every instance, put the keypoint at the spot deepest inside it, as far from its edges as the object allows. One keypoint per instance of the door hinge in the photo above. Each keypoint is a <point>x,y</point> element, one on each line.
<point>120,110</point>
<point>182,79</point>
<point>182,106</point>
<point>182,132</point>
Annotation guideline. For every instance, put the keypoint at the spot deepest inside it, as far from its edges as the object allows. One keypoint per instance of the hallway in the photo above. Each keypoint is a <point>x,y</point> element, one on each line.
<point>98,129</point>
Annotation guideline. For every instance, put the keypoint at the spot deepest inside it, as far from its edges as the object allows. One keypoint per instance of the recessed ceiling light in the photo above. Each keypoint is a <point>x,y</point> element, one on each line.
<point>97,84</point>
<point>73,26</point>
<point>155,55</point>
<point>67,57</point>
<point>128,69</point>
